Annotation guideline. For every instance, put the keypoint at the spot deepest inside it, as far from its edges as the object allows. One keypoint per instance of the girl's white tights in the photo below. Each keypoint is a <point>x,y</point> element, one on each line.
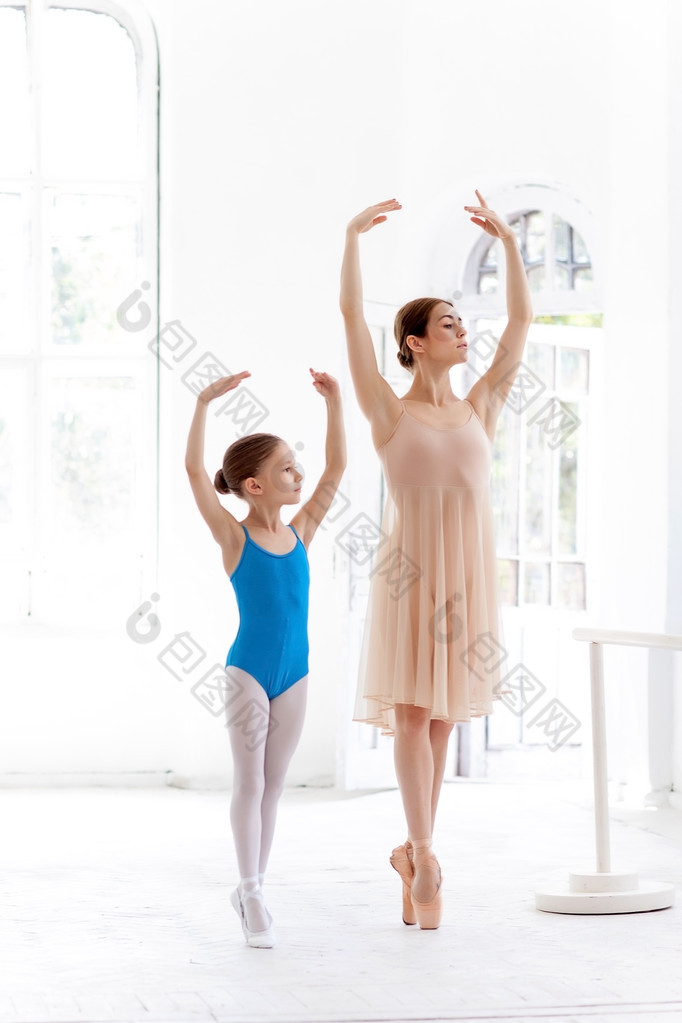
<point>263,735</point>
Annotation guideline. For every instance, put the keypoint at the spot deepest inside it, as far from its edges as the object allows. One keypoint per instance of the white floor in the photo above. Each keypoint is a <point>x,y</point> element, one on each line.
<point>114,906</point>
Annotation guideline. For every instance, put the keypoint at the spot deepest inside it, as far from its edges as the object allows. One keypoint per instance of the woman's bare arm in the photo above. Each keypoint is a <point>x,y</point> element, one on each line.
<point>490,392</point>
<point>375,396</point>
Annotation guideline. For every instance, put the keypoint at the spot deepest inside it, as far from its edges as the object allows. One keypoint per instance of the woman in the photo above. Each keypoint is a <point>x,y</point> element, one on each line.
<point>418,671</point>
<point>267,665</point>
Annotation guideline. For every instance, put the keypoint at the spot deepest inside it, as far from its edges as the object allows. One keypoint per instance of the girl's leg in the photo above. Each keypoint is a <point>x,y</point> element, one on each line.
<point>287,713</point>
<point>248,723</point>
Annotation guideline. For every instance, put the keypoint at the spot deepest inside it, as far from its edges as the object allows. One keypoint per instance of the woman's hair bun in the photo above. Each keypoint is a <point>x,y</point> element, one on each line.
<point>220,483</point>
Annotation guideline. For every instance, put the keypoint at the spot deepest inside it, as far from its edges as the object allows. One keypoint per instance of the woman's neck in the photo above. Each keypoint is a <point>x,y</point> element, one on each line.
<point>432,387</point>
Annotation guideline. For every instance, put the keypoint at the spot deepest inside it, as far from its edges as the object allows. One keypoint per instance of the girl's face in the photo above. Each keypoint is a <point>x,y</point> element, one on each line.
<point>280,476</point>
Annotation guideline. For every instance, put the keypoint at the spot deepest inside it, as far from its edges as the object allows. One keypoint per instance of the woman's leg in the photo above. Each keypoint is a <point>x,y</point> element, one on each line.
<point>414,766</point>
<point>420,753</point>
<point>439,734</point>
<point>287,713</point>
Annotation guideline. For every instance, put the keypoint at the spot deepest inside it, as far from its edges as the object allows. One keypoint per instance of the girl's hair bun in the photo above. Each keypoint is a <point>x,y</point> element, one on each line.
<point>220,483</point>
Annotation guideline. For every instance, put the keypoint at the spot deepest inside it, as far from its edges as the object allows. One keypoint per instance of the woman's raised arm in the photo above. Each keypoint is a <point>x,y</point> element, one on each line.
<point>489,394</point>
<point>375,397</point>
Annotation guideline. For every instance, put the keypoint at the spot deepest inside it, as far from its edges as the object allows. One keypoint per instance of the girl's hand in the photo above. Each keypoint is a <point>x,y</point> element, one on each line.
<point>372,216</point>
<point>222,386</point>
<point>491,222</point>
<point>326,385</point>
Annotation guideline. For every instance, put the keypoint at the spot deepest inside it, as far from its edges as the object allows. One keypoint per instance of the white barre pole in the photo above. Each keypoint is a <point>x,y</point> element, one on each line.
<point>601,791</point>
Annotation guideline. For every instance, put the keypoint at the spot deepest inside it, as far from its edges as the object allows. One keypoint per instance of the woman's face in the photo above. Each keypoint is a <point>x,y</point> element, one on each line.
<point>446,334</point>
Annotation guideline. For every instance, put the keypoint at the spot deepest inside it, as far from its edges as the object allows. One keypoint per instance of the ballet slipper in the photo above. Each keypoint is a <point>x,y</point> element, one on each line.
<point>401,861</point>
<point>256,939</point>
<point>428,914</point>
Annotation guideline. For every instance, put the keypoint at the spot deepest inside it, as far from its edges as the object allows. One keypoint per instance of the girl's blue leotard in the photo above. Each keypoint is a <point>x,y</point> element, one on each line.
<point>272,597</point>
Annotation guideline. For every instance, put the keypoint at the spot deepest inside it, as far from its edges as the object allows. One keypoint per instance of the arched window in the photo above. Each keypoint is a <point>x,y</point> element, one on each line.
<point>555,260</point>
<point>78,235</point>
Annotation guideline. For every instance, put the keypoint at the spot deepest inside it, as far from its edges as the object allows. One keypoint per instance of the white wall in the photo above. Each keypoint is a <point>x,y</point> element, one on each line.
<point>279,121</point>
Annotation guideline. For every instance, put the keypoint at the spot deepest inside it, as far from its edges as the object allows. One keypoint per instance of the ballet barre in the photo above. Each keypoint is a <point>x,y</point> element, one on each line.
<point>606,891</point>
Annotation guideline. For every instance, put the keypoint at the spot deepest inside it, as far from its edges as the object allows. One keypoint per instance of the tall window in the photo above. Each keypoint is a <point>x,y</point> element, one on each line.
<point>78,236</point>
<point>539,468</point>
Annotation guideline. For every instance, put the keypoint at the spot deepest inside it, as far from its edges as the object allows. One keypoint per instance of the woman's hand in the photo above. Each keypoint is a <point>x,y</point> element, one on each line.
<point>372,216</point>
<point>222,386</point>
<point>491,222</point>
<point>326,385</point>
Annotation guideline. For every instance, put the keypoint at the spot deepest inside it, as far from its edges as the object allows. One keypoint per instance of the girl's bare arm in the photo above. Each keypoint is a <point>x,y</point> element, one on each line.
<point>223,525</point>
<point>310,515</point>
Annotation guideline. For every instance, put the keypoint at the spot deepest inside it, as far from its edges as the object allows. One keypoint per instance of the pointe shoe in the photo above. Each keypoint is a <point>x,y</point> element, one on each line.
<point>401,861</point>
<point>256,939</point>
<point>429,914</point>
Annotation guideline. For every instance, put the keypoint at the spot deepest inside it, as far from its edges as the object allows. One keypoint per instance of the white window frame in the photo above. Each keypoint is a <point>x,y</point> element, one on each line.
<point>127,357</point>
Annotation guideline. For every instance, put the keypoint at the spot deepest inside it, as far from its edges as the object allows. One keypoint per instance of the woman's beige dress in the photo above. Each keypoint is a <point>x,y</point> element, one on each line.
<point>432,629</point>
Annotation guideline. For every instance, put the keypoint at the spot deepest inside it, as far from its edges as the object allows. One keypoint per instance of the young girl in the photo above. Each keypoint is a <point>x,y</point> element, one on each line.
<point>267,665</point>
<point>418,674</point>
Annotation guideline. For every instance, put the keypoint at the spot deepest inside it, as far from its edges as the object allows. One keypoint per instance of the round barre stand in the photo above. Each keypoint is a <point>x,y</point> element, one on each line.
<point>603,890</point>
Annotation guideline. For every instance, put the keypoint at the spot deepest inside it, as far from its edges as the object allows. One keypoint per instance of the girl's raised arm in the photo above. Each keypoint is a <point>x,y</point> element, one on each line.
<point>223,525</point>
<point>375,397</point>
<point>310,515</point>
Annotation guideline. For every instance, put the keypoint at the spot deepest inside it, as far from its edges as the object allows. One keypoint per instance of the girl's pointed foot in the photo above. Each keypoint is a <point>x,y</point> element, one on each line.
<point>247,900</point>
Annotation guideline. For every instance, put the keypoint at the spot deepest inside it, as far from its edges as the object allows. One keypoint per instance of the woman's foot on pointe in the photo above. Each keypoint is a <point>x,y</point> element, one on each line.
<point>401,859</point>
<point>247,899</point>
<point>427,900</point>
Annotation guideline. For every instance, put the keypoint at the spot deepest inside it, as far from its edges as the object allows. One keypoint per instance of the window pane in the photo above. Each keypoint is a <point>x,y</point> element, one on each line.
<point>535,236</point>
<point>505,482</point>
<point>561,239</point>
<point>13,334</point>
<point>568,496</point>
<point>536,278</point>
<point>92,516</point>
<point>484,337</point>
<point>14,460</point>
<point>487,284</point>
<point>15,499</point>
<point>574,366</point>
<point>562,278</point>
<point>14,108</point>
<point>538,521</point>
<point>94,263</point>
<point>580,253</point>
<point>490,257</point>
<point>508,581</point>
<point>536,588</point>
<point>89,97</point>
<point>571,586</point>
<point>540,358</point>
<point>583,280</point>
<point>92,461</point>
